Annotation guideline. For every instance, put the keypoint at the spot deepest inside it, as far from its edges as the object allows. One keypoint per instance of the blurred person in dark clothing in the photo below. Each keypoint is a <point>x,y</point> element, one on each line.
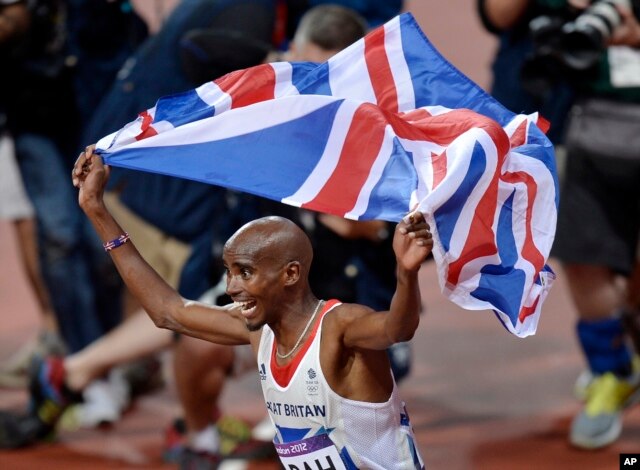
<point>15,205</point>
<point>549,44</point>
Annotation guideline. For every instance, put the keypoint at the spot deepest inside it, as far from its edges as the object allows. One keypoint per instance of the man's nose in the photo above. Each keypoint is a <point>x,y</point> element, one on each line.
<point>233,286</point>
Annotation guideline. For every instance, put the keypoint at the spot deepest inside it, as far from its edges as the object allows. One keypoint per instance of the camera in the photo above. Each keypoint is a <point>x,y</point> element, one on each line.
<point>586,37</point>
<point>570,43</point>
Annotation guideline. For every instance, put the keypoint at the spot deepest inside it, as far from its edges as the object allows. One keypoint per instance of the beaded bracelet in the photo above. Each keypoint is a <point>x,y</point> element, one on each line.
<point>116,242</point>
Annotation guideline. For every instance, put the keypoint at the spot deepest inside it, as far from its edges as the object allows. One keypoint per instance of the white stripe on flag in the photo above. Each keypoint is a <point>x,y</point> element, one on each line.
<point>423,163</point>
<point>283,86</point>
<point>515,123</point>
<point>239,121</point>
<point>330,157</point>
<point>351,79</point>
<point>436,110</point>
<point>108,140</point>
<point>213,95</point>
<point>399,66</point>
<point>163,126</point>
<point>125,135</point>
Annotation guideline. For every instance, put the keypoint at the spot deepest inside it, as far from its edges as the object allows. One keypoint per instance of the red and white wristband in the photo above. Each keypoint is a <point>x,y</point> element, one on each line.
<point>116,242</point>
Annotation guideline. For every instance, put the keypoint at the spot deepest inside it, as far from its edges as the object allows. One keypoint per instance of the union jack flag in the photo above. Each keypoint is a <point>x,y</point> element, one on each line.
<point>383,127</point>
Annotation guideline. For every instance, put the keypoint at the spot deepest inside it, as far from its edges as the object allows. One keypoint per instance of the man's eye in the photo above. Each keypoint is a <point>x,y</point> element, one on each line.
<point>245,273</point>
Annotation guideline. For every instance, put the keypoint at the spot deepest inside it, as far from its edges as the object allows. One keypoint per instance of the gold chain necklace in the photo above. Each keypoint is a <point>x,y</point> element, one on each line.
<point>304,332</point>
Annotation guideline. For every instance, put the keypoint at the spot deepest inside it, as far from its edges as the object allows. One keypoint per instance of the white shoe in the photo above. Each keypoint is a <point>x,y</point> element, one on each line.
<point>104,401</point>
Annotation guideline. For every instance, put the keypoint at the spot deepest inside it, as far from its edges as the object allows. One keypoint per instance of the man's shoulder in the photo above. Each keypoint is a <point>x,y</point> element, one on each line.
<point>345,313</point>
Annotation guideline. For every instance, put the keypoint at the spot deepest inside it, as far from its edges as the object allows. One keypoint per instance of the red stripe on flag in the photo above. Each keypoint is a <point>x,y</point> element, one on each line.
<point>415,115</point>
<point>360,149</point>
<point>443,129</point>
<point>146,129</point>
<point>543,124</point>
<point>379,69</point>
<point>439,164</point>
<point>529,250</point>
<point>148,132</point>
<point>519,137</point>
<point>527,311</point>
<point>249,86</point>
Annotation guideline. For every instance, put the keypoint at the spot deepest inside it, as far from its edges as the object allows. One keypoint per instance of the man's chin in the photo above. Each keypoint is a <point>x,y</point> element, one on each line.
<point>254,326</point>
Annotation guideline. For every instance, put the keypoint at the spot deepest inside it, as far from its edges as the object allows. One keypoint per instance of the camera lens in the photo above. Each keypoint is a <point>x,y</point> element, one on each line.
<point>585,38</point>
<point>545,32</point>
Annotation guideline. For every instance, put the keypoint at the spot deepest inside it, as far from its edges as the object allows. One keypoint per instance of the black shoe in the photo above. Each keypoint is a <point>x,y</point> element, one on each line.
<point>21,430</point>
<point>49,398</point>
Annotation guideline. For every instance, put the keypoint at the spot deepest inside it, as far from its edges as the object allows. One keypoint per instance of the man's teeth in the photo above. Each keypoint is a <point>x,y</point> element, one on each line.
<point>246,308</point>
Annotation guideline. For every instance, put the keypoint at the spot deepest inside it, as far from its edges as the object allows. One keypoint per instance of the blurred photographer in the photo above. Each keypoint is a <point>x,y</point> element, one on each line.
<point>594,47</point>
<point>509,21</point>
<point>571,39</point>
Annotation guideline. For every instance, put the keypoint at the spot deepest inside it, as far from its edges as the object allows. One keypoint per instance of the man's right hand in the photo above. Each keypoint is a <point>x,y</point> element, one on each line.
<point>90,176</point>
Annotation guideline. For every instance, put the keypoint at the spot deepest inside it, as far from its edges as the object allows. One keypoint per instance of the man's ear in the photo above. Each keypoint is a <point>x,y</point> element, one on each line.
<point>292,273</point>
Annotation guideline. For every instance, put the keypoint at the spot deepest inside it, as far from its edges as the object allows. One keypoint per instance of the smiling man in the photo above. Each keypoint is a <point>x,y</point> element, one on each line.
<point>323,366</point>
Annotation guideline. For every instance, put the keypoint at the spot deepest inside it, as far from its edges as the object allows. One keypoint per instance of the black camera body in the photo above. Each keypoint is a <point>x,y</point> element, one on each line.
<point>570,43</point>
<point>579,43</point>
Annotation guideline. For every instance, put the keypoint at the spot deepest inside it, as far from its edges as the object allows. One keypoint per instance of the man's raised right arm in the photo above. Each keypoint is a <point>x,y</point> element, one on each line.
<point>163,304</point>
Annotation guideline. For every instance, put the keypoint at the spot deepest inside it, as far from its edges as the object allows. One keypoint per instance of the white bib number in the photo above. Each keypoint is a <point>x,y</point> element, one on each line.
<point>313,453</point>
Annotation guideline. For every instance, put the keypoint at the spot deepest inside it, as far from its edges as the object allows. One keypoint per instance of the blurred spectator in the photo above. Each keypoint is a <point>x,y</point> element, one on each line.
<point>43,118</point>
<point>174,221</point>
<point>509,20</point>
<point>374,12</point>
<point>14,22</point>
<point>179,221</point>
<point>60,70</point>
<point>598,225</point>
<point>15,205</point>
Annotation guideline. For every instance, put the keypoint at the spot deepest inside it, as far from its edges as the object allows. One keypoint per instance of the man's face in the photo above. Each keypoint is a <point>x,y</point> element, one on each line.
<point>254,281</point>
